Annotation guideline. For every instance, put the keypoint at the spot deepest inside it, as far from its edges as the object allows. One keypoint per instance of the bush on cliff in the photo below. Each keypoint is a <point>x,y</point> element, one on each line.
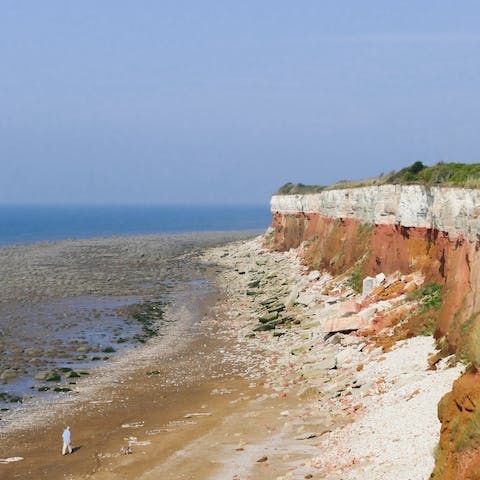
<point>449,174</point>
<point>298,189</point>
<point>468,348</point>
<point>430,296</point>
<point>443,174</point>
<point>407,175</point>
<point>355,278</point>
<point>474,346</point>
<point>467,436</point>
<point>424,321</point>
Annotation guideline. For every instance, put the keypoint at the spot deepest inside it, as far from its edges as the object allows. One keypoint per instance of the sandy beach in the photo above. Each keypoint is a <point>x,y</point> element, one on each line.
<point>220,398</point>
<point>133,379</point>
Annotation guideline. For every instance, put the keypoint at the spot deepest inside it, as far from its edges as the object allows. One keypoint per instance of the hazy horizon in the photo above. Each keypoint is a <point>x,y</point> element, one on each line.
<point>132,204</point>
<point>214,103</point>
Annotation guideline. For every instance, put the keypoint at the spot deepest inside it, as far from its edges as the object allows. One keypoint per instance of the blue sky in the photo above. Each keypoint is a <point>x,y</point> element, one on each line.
<point>221,102</point>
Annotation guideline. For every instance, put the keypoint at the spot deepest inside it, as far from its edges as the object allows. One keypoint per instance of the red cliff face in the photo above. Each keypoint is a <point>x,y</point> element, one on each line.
<point>338,245</point>
<point>436,231</point>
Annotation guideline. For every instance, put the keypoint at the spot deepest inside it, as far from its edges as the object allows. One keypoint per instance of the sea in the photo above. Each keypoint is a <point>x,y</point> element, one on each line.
<point>28,224</point>
<point>65,308</point>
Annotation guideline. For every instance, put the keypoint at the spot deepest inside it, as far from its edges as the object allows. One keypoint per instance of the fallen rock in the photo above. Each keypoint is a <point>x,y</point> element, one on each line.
<point>310,392</point>
<point>292,297</point>
<point>335,339</point>
<point>380,278</point>
<point>344,357</point>
<point>268,317</point>
<point>8,374</point>
<point>32,351</point>
<point>349,340</point>
<point>309,324</point>
<point>306,436</point>
<point>268,301</point>
<point>42,375</point>
<point>318,370</point>
<point>368,313</point>
<point>307,299</point>
<point>344,324</point>
<point>201,414</point>
<point>349,306</point>
<point>264,327</point>
<point>368,284</point>
<point>276,308</point>
<point>301,349</point>
<point>313,275</point>
<point>10,460</point>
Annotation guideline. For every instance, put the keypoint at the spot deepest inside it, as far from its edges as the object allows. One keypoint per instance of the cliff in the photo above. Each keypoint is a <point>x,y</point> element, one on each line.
<point>390,228</point>
<point>455,211</point>
<point>434,231</point>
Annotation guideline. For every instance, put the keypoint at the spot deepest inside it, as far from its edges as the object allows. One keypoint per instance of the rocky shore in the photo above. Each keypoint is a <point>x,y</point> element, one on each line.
<point>284,376</point>
<point>352,408</point>
<point>67,307</point>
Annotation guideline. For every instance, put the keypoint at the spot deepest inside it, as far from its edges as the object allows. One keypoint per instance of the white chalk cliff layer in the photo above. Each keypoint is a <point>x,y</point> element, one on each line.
<point>455,211</point>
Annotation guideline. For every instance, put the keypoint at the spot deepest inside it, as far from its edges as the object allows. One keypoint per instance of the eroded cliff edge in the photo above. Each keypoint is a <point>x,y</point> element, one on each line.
<point>364,231</point>
<point>392,228</point>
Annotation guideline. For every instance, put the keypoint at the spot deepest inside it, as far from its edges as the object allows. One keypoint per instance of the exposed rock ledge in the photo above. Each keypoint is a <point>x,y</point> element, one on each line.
<point>388,228</point>
<point>455,211</point>
<point>433,232</point>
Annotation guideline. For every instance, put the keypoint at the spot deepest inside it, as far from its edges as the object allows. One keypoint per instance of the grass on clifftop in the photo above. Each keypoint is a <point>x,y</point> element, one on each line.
<point>443,174</point>
<point>298,189</point>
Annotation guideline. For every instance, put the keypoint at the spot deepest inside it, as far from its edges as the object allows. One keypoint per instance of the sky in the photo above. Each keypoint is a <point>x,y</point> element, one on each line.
<point>222,102</point>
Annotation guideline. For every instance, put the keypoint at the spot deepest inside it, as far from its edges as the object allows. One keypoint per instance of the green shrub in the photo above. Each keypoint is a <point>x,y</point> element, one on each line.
<point>108,350</point>
<point>355,278</point>
<point>468,436</point>
<point>474,346</point>
<point>442,174</point>
<point>468,333</point>
<point>62,389</point>
<point>298,189</point>
<point>430,296</point>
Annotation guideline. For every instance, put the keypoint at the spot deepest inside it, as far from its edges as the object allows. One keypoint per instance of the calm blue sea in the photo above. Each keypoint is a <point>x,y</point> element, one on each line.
<point>27,224</point>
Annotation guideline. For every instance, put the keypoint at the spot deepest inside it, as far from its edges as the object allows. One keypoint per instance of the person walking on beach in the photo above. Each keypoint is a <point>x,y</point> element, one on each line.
<point>66,441</point>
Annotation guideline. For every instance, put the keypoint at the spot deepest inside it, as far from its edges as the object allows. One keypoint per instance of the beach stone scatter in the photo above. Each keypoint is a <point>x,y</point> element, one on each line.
<point>371,414</point>
<point>322,402</point>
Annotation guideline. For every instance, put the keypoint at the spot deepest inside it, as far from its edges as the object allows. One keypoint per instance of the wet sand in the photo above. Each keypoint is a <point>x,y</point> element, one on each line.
<point>154,384</point>
<point>60,303</point>
<point>176,420</point>
<point>220,397</point>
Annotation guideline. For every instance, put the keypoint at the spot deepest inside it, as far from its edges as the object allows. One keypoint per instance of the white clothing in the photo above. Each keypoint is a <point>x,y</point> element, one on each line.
<point>66,441</point>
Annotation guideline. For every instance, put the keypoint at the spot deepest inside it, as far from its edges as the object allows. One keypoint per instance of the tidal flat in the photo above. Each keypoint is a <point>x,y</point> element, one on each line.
<point>241,382</point>
<point>69,307</point>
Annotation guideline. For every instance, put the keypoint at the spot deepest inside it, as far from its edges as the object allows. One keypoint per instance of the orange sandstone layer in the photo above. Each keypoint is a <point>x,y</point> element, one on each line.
<point>346,245</point>
<point>341,245</point>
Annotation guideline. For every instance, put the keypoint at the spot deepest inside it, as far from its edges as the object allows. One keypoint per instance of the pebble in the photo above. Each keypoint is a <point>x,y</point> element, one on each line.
<point>359,416</point>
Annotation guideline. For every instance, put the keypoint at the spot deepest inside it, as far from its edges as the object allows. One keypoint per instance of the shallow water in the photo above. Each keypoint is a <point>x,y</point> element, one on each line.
<point>66,318</point>
<point>70,333</point>
<point>74,335</point>
<point>34,223</point>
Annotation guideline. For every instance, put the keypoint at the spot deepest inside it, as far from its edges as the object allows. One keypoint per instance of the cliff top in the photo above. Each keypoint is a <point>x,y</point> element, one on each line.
<point>443,174</point>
